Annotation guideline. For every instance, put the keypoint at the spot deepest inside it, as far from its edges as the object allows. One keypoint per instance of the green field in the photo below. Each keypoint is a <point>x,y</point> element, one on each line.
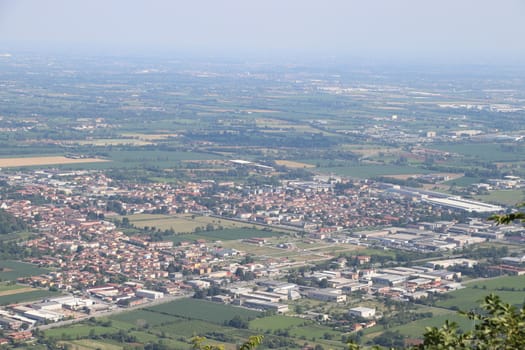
<point>27,296</point>
<point>203,310</point>
<point>144,333</point>
<point>79,330</point>
<point>181,223</point>
<point>8,286</point>
<point>134,157</point>
<point>472,296</point>
<point>491,152</point>
<point>273,323</point>
<point>298,328</point>
<point>416,329</point>
<point>184,327</point>
<point>88,344</point>
<point>466,299</point>
<point>369,171</point>
<point>253,248</point>
<point>314,331</point>
<point>499,282</point>
<point>175,331</point>
<point>11,270</point>
<point>188,225</point>
<point>141,316</point>
<point>113,142</point>
<point>505,197</point>
<point>153,157</point>
<point>224,235</point>
<point>463,181</point>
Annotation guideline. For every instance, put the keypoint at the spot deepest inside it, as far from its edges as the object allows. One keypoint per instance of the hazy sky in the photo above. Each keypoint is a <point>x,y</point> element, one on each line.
<point>455,29</point>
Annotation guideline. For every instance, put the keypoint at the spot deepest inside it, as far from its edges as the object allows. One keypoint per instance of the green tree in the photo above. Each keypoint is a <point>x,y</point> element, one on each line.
<point>9,223</point>
<point>508,218</point>
<point>198,343</point>
<point>500,326</point>
<point>238,322</point>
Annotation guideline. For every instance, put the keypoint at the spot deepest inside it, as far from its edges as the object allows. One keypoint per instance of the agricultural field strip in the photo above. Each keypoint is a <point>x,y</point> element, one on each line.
<point>27,296</point>
<point>35,161</point>
<point>17,291</point>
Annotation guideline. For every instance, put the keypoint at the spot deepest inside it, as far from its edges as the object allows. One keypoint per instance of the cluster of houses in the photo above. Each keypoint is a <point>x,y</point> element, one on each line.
<point>317,205</point>
<point>85,252</point>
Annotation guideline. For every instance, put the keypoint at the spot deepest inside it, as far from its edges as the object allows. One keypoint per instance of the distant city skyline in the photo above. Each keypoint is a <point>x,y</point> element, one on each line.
<point>468,31</point>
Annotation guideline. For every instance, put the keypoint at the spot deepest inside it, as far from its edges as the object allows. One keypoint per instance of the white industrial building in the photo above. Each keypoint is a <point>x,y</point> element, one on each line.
<point>364,312</point>
<point>264,305</point>
<point>68,302</point>
<point>149,294</point>
<point>47,306</point>
<point>43,316</point>
<point>327,294</point>
<point>463,204</point>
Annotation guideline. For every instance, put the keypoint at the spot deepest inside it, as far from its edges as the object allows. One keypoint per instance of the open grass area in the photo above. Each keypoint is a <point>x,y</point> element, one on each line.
<point>148,137</point>
<point>155,157</point>
<point>252,248</point>
<point>88,344</point>
<point>509,288</point>
<point>278,125</point>
<point>416,329</point>
<point>146,327</point>
<point>8,287</point>
<point>314,331</point>
<point>336,249</point>
<point>294,165</point>
<point>486,151</point>
<point>369,171</point>
<point>113,142</point>
<point>300,329</point>
<point>11,270</point>
<point>463,181</point>
<point>378,252</point>
<point>189,328</point>
<point>369,150</point>
<point>505,197</point>
<point>223,235</point>
<point>138,157</point>
<point>36,294</point>
<point>79,330</point>
<point>176,322</point>
<point>231,229</point>
<point>185,223</point>
<point>17,290</point>
<point>492,284</point>
<point>203,310</point>
<point>273,323</point>
<point>179,223</point>
<point>142,317</point>
<point>38,161</point>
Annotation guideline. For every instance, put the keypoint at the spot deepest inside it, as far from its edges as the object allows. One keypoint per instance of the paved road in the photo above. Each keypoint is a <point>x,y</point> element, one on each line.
<point>116,310</point>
